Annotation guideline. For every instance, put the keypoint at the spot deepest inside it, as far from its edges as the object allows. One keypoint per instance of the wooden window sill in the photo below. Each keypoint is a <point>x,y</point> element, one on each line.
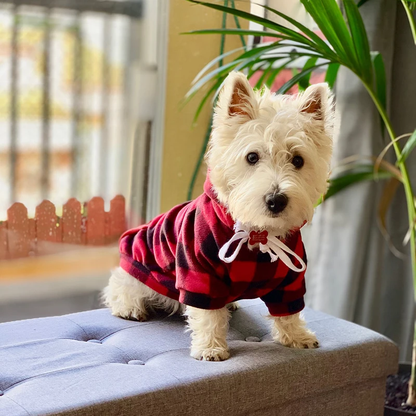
<point>85,261</point>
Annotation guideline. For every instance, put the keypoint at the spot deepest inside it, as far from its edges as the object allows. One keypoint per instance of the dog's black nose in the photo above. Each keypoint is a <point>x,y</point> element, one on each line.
<point>276,202</point>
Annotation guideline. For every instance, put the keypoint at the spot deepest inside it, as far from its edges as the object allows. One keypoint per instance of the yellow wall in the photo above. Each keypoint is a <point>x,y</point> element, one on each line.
<point>187,55</point>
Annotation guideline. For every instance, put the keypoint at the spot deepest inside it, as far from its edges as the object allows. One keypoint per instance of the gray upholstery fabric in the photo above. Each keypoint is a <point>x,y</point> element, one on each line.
<point>362,399</point>
<point>92,363</point>
<point>352,273</point>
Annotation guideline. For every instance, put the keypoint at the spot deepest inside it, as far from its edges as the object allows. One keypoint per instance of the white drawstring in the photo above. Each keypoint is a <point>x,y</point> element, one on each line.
<point>276,248</point>
<point>241,235</point>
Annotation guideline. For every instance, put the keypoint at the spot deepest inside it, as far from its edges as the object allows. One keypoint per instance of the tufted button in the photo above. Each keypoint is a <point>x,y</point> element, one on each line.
<point>136,362</point>
<point>94,341</point>
<point>253,339</point>
<point>1,392</point>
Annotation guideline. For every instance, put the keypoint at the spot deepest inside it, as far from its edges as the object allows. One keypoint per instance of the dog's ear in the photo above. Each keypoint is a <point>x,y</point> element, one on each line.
<point>236,100</point>
<point>317,100</point>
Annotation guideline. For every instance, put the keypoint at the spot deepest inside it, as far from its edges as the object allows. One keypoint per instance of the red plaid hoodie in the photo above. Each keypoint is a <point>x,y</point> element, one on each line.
<point>176,254</point>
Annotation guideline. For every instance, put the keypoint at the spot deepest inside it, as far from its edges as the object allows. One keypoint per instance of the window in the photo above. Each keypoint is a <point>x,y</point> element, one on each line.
<point>78,92</point>
<point>136,150</point>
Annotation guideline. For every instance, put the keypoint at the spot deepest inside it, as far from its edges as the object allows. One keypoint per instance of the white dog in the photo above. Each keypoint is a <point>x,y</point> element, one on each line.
<point>268,164</point>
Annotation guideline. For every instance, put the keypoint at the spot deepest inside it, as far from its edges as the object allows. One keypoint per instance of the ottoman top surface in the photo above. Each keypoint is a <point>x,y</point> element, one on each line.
<point>59,364</point>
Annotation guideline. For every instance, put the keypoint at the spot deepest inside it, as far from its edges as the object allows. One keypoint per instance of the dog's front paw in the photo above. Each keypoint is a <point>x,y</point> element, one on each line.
<point>210,354</point>
<point>133,314</point>
<point>305,340</point>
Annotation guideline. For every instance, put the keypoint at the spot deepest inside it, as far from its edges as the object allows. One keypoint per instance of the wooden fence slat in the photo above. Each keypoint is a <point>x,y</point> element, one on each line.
<point>117,217</point>
<point>71,222</point>
<point>18,231</point>
<point>45,217</point>
<point>22,237</point>
<point>3,241</point>
<point>95,222</point>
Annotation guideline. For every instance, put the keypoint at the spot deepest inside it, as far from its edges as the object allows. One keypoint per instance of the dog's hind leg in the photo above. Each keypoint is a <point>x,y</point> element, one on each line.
<point>209,332</point>
<point>125,296</point>
<point>233,306</point>
<point>128,298</point>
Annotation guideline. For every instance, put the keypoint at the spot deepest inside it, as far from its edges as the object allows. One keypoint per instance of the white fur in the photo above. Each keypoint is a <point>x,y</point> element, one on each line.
<point>291,331</point>
<point>130,299</point>
<point>277,128</point>
<point>209,333</point>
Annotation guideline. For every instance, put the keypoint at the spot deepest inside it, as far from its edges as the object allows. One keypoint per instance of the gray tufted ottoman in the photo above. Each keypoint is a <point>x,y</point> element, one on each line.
<point>92,363</point>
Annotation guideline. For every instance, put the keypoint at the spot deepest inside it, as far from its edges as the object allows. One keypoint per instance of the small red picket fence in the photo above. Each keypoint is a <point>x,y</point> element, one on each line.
<point>80,224</point>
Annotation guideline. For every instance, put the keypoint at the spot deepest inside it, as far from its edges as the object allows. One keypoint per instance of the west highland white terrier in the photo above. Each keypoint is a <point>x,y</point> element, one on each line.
<point>268,164</point>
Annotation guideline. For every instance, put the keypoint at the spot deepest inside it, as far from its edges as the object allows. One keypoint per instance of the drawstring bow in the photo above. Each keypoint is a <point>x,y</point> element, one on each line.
<point>267,244</point>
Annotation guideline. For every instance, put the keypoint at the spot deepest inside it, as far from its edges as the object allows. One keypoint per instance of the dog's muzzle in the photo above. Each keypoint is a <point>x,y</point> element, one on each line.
<point>276,202</point>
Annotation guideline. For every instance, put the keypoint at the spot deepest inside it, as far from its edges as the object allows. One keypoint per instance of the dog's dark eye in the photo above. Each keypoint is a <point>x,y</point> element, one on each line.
<point>252,158</point>
<point>298,162</point>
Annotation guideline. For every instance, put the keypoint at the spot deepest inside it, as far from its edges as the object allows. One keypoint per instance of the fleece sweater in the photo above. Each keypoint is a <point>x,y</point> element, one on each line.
<point>176,254</point>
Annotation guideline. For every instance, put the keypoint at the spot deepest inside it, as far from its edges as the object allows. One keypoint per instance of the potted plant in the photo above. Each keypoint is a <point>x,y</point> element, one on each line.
<point>346,45</point>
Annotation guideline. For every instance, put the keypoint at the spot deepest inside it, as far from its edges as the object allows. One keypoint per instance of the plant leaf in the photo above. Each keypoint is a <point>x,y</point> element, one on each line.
<point>269,47</point>
<point>336,19</point>
<point>244,55</point>
<point>380,83</point>
<point>355,173</point>
<point>385,201</point>
<point>293,81</point>
<point>331,74</point>
<point>234,32</point>
<point>409,6</point>
<point>215,61</point>
<point>260,20</point>
<point>320,43</point>
<point>239,64</point>
<point>380,77</point>
<point>332,25</point>
<point>237,23</point>
<point>217,71</point>
<point>361,2</point>
<point>304,82</point>
<point>204,99</point>
<point>275,72</point>
<point>220,74</point>
<point>408,147</point>
<point>263,76</point>
<point>360,39</point>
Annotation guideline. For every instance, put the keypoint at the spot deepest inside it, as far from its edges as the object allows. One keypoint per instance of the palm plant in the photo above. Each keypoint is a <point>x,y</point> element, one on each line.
<point>346,45</point>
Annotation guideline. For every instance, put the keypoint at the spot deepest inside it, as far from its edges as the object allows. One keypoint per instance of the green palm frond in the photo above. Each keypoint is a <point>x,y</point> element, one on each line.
<point>346,45</point>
